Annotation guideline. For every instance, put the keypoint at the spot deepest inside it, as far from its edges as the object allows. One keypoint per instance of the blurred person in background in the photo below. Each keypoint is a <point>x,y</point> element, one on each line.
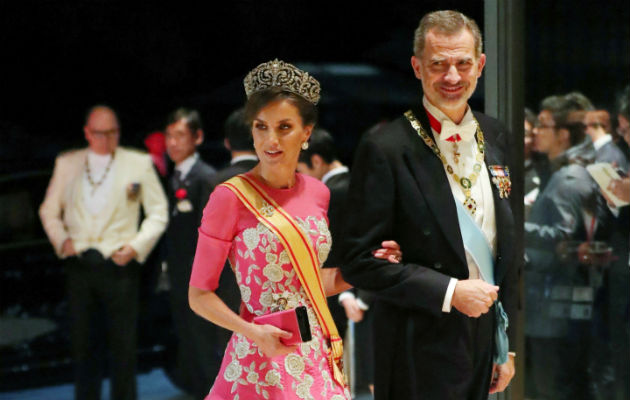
<point>598,128</point>
<point>198,354</point>
<point>91,214</point>
<point>238,141</point>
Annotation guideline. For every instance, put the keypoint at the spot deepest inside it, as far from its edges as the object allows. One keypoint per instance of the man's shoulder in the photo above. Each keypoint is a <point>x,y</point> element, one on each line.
<point>488,122</point>
<point>388,134</point>
<point>204,169</point>
<point>132,155</point>
<point>71,155</point>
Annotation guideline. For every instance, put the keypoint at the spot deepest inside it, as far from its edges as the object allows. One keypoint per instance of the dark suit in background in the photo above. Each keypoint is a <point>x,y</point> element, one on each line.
<point>399,191</point>
<point>199,353</point>
<point>338,185</point>
<point>236,167</point>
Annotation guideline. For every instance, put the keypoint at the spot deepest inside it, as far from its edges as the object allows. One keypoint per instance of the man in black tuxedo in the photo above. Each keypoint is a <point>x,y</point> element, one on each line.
<point>198,355</point>
<point>434,318</point>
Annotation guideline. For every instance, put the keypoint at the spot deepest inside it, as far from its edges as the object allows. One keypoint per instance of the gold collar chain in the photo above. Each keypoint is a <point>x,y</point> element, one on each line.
<point>466,183</point>
<point>93,184</point>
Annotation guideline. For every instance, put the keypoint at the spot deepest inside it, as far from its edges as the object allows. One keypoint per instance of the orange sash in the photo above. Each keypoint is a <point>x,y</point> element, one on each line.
<point>302,255</point>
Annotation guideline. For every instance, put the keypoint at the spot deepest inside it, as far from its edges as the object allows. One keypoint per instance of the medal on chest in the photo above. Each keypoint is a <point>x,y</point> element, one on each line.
<point>501,179</point>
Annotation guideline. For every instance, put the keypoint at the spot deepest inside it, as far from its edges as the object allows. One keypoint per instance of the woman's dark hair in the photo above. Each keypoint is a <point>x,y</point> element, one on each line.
<point>258,100</point>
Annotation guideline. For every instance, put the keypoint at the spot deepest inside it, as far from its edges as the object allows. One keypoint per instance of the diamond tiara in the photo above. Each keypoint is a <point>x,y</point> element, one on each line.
<point>284,75</point>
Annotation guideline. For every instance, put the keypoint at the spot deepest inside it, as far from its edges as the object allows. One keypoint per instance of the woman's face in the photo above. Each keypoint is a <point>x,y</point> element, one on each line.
<point>278,134</point>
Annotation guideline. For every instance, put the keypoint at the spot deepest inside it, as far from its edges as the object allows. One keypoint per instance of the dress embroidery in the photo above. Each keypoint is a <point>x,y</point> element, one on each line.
<point>268,283</point>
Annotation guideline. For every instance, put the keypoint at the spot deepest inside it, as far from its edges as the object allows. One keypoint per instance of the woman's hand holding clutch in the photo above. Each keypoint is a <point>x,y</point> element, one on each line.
<point>267,338</point>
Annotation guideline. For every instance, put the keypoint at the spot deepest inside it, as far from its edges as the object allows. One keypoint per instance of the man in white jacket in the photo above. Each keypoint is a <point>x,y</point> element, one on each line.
<point>91,215</point>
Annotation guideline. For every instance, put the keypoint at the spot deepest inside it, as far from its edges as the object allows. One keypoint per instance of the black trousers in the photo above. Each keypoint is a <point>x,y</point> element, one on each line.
<point>103,305</point>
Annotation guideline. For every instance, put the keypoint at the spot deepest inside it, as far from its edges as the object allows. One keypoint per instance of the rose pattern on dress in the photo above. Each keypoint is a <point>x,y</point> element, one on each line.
<point>266,278</point>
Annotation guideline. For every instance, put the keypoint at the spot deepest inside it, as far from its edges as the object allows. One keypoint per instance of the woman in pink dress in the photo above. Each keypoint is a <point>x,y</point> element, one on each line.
<point>281,108</point>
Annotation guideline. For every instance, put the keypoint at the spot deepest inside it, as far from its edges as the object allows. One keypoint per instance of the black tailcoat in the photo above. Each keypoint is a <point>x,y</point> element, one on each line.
<point>338,186</point>
<point>399,191</point>
<point>200,343</point>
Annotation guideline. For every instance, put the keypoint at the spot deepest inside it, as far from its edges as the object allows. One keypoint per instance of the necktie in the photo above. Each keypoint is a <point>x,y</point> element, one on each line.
<point>176,181</point>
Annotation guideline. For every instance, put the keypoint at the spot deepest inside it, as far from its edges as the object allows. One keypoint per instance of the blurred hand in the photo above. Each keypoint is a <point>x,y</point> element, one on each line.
<point>123,255</point>
<point>67,248</point>
<point>353,312</point>
<point>474,297</point>
<point>267,338</point>
<point>390,252</point>
<point>620,188</point>
<point>502,374</point>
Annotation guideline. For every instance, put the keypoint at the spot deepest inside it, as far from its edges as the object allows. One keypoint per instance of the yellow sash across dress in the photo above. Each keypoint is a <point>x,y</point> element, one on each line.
<point>302,255</point>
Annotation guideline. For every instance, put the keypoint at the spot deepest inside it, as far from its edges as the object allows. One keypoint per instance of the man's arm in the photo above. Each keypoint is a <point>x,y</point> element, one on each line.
<point>370,221</point>
<point>155,208</point>
<point>51,209</point>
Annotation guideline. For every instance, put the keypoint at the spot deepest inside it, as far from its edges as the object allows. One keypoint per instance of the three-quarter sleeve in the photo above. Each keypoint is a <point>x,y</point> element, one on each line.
<point>216,232</point>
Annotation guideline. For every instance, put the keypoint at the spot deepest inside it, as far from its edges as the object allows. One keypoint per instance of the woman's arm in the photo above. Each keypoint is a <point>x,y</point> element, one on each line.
<point>208,305</point>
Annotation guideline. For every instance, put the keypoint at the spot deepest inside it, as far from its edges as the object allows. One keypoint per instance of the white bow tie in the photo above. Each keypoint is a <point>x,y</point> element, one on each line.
<point>454,133</point>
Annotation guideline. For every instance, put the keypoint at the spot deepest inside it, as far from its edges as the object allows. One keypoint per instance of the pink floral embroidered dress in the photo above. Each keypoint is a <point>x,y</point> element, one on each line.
<point>265,276</point>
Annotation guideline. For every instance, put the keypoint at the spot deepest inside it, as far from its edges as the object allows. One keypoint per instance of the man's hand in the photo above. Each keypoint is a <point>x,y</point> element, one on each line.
<point>353,312</point>
<point>474,297</point>
<point>620,188</point>
<point>123,255</point>
<point>67,248</point>
<point>502,374</point>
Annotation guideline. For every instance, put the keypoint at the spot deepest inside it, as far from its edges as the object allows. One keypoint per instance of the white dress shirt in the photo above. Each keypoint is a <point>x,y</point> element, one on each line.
<point>95,198</point>
<point>185,166</point>
<point>481,191</point>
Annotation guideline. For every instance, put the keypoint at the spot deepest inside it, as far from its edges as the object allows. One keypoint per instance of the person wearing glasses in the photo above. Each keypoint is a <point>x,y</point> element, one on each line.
<point>90,213</point>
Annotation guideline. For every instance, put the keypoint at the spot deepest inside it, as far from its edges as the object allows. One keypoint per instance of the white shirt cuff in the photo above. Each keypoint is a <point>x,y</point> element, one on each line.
<point>345,295</point>
<point>362,305</point>
<point>446,305</point>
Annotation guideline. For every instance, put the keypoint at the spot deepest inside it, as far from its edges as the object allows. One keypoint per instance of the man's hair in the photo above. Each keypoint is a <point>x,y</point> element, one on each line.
<point>561,106</point>
<point>530,117</point>
<point>446,22</point>
<point>238,132</point>
<point>96,107</point>
<point>322,144</point>
<point>576,132</point>
<point>191,118</point>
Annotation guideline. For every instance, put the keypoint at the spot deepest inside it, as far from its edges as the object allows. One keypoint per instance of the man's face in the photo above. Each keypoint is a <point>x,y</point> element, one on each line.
<point>181,143</point>
<point>528,138</point>
<point>449,70</point>
<point>545,133</point>
<point>593,127</point>
<point>101,131</point>
<point>624,128</point>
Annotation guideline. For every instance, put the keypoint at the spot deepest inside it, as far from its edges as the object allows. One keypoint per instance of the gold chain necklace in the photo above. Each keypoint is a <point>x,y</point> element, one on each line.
<point>93,184</point>
<point>466,183</point>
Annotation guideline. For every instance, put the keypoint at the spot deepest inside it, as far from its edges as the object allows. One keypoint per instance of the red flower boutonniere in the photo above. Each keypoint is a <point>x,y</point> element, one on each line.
<point>181,194</point>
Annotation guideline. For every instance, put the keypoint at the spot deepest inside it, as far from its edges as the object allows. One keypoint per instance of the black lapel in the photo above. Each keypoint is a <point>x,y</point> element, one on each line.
<point>429,173</point>
<point>502,211</point>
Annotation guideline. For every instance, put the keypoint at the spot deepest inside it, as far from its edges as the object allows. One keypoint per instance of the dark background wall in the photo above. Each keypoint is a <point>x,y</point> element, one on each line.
<point>146,58</point>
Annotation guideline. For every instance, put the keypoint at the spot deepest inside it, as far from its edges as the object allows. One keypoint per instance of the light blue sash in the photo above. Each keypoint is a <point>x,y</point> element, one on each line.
<point>477,246</point>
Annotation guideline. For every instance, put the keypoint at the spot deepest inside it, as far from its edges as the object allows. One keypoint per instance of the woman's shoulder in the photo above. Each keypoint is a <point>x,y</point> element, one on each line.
<point>314,186</point>
<point>223,197</point>
<point>315,191</point>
